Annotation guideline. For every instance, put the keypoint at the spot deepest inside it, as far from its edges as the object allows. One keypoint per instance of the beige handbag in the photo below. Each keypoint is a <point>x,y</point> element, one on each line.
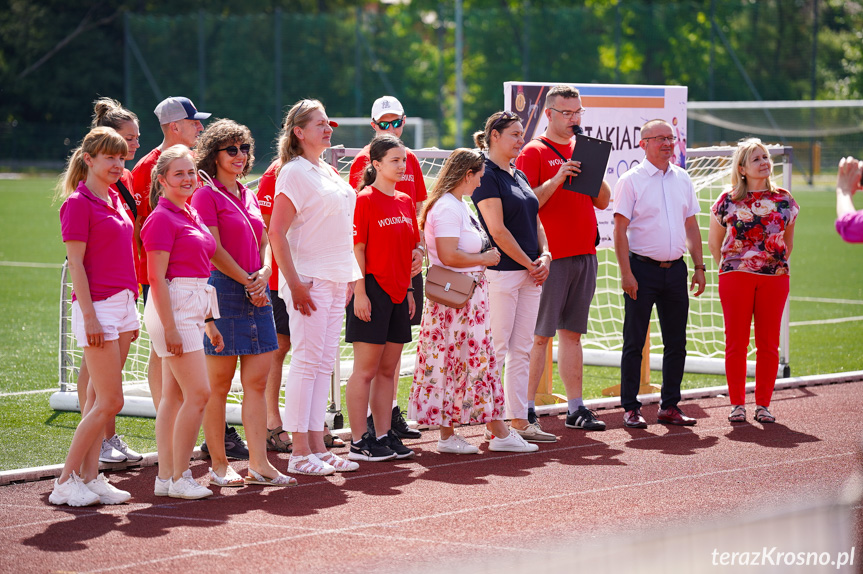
<point>449,287</point>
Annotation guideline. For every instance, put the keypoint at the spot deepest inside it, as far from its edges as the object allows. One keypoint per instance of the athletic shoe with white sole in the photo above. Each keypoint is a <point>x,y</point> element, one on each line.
<point>107,492</point>
<point>534,433</point>
<point>584,418</point>
<point>120,445</point>
<point>395,444</point>
<point>370,449</point>
<point>511,443</point>
<point>110,454</point>
<point>188,488</point>
<point>162,487</point>
<point>72,492</point>
<point>456,445</point>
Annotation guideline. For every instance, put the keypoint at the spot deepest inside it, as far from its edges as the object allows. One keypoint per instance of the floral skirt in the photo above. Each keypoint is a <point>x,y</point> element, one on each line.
<point>456,378</point>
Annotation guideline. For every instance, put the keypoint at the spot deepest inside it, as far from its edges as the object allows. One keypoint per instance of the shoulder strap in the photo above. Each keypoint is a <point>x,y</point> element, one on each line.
<point>127,197</point>
<point>206,177</point>
<point>551,147</point>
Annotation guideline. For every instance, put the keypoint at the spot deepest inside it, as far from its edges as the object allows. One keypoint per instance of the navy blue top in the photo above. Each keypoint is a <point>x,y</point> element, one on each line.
<point>520,207</point>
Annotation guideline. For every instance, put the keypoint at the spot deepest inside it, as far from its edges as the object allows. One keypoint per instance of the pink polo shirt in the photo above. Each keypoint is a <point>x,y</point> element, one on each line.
<point>183,235</point>
<point>107,231</point>
<point>219,208</point>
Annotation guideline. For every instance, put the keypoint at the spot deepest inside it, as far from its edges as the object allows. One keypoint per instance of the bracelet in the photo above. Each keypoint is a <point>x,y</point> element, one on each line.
<point>421,248</point>
<point>209,320</point>
<point>702,267</point>
<point>410,289</point>
<point>545,253</point>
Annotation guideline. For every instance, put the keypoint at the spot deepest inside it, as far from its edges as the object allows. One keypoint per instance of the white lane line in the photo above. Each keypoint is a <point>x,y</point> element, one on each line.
<point>36,392</point>
<point>824,300</point>
<point>475,510</point>
<point>825,321</point>
<point>31,264</point>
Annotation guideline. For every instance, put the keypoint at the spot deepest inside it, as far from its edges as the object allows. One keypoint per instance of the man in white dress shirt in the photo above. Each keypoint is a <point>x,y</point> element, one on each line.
<point>654,224</point>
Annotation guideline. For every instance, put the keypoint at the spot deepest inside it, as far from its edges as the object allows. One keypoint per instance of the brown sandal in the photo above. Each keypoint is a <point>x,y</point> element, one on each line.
<point>331,440</point>
<point>275,443</point>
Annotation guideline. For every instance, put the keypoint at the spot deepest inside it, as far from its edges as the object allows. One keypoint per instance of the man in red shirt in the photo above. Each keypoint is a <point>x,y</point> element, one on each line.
<point>388,116</point>
<point>570,227</point>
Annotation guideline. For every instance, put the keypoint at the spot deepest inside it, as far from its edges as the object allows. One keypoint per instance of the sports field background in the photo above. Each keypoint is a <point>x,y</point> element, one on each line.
<point>826,317</point>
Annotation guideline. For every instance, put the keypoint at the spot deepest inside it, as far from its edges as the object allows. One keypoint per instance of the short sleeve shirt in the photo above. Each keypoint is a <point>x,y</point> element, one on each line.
<point>238,220</point>
<point>141,179</point>
<point>520,207</point>
<point>107,231</point>
<point>568,218</point>
<point>755,231</point>
<point>387,225</point>
<point>412,182</point>
<point>450,217</point>
<point>266,197</point>
<point>657,205</point>
<point>183,234</point>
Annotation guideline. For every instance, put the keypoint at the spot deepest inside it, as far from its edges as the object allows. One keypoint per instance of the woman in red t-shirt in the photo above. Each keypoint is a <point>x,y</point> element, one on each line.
<point>386,237</point>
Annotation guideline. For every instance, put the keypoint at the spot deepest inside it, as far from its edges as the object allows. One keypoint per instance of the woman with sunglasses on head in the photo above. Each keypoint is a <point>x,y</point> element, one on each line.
<point>178,312</point>
<point>240,270</point>
<point>312,235</point>
<point>509,212</point>
<point>456,379</point>
<point>386,245</point>
<point>97,232</point>
<point>751,236</point>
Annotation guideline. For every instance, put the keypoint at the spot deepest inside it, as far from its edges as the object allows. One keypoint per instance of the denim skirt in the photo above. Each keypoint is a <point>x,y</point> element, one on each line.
<point>246,329</point>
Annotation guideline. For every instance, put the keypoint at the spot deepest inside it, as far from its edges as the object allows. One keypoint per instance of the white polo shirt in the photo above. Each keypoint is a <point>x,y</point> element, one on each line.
<point>657,205</point>
<point>321,236</point>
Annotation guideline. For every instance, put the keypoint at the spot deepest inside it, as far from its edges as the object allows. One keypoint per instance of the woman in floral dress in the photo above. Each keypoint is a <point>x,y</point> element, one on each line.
<point>456,379</point>
<point>751,237</point>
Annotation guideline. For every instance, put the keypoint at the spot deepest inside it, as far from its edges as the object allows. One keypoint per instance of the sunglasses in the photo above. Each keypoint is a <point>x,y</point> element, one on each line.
<point>394,123</point>
<point>234,150</point>
<point>504,117</point>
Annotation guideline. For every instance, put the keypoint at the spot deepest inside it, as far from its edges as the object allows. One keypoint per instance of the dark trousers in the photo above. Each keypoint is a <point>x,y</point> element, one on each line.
<point>667,288</point>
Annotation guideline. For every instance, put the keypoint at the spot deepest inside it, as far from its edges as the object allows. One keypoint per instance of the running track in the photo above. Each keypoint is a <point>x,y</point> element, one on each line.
<point>463,513</point>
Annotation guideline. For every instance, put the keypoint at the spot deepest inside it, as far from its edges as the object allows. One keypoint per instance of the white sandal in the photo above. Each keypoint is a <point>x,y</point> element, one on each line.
<point>280,480</point>
<point>309,465</point>
<point>230,480</point>
<point>338,463</point>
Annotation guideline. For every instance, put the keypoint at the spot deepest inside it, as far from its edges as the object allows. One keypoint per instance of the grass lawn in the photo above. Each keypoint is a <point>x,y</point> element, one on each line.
<point>823,267</point>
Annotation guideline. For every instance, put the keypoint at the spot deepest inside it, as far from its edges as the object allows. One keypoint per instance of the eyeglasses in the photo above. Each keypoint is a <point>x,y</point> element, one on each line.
<point>569,113</point>
<point>504,117</point>
<point>234,150</point>
<point>662,139</point>
<point>394,123</point>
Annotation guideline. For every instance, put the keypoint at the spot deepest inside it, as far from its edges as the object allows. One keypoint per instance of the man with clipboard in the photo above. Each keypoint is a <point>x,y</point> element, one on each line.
<point>570,225</point>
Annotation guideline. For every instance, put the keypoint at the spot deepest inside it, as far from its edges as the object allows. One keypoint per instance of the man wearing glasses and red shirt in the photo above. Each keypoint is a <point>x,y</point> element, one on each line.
<point>388,116</point>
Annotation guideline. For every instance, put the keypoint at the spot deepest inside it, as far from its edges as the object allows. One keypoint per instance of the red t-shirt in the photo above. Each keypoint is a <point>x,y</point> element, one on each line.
<point>568,218</point>
<point>266,198</point>
<point>412,182</point>
<point>388,227</point>
<point>141,175</point>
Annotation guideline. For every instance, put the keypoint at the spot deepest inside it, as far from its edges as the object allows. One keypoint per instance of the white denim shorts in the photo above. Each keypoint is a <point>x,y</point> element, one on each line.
<point>192,300</point>
<point>117,314</point>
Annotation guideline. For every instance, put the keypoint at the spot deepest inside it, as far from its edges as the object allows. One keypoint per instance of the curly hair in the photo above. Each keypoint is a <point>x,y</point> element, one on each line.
<point>219,135</point>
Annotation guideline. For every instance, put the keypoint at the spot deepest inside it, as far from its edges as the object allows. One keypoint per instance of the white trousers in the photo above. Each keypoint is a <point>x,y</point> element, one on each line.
<point>314,348</point>
<point>514,304</point>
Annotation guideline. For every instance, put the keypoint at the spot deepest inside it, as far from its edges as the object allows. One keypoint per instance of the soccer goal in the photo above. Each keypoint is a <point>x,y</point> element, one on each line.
<point>710,169</point>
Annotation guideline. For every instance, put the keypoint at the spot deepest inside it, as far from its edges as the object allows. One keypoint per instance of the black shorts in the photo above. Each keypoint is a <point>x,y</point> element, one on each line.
<point>417,283</point>
<point>390,321</point>
<point>280,314</point>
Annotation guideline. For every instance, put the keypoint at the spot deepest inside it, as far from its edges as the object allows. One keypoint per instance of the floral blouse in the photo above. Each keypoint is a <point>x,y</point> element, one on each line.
<point>755,231</point>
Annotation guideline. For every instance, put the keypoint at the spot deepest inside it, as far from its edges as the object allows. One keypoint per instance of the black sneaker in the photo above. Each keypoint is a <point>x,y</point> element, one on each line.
<point>370,426</point>
<point>395,444</point>
<point>235,447</point>
<point>531,416</point>
<point>370,449</point>
<point>400,426</point>
<point>584,418</point>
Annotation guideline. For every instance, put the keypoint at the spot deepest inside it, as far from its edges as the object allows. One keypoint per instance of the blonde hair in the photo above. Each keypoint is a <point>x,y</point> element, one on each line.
<point>739,185</point>
<point>496,122</point>
<point>218,135</point>
<point>461,163</point>
<point>299,115</point>
<point>111,113</point>
<point>99,140</point>
<point>164,162</point>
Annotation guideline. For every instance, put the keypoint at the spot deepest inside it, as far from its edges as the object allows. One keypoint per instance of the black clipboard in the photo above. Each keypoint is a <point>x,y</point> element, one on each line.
<point>593,154</point>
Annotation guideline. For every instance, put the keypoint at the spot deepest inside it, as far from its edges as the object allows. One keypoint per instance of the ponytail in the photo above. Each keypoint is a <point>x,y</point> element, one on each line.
<point>369,176</point>
<point>378,148</point>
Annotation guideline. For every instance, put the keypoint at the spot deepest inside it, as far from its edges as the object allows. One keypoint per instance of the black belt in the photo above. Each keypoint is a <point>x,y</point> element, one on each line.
<point>663,264</point>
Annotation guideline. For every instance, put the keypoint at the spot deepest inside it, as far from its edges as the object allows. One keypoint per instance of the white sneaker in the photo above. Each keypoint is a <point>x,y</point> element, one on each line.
<point>72,492</point>
<point>534,433</point>
<point>110,454</point>
<point>120,446</point>
<point>107,492</point>
<point>512,443</point>
<point>162,487</point>
<point>188,488</point>
<point>456,445</point>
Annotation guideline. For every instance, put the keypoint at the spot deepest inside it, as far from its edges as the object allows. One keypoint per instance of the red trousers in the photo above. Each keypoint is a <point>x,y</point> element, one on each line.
<point>744,296</point>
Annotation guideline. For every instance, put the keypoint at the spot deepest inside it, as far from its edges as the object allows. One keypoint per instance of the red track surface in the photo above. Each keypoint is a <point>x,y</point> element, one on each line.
<point>435,509</point>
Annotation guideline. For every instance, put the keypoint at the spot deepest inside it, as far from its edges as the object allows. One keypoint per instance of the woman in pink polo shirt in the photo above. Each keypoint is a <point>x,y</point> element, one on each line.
<point>239,271</point>
<point>98,237</point>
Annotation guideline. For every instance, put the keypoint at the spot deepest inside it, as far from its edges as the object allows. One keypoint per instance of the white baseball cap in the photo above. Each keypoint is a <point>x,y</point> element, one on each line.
<point>386,105</point>
<point>174,109</point>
